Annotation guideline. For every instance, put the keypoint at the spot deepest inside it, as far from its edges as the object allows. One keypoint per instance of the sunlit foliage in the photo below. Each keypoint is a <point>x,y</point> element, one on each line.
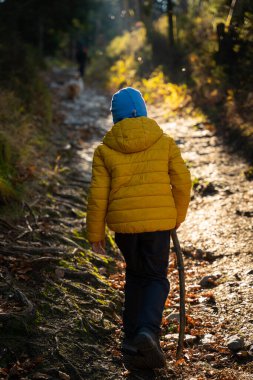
<point>127,61</point>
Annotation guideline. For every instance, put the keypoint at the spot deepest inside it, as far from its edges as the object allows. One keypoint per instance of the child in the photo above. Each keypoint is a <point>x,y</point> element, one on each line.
<point>141,188</point>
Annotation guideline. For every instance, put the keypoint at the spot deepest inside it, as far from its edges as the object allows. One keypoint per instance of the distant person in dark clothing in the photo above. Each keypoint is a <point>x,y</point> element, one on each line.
<point>227,39</point>
<point>81,57</point>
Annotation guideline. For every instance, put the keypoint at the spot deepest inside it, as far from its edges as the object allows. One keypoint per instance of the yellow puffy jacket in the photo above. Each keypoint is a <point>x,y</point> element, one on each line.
<point>140,182</point>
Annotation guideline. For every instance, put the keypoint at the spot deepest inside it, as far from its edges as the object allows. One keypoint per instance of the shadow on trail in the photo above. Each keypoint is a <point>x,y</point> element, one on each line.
<point>231,123</point>
<point>150,375</point>
<point>141,374</point>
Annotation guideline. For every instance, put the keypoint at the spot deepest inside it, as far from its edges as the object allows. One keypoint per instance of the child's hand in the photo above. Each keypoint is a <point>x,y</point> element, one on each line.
<point>98,247</point>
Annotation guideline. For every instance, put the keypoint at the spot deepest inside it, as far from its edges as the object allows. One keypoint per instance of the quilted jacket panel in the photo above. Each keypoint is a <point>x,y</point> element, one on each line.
<point>140,182</point>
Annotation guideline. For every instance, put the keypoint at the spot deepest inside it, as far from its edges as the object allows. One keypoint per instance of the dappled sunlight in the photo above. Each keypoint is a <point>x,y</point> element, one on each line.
<point>157,90</point>
<point>126,71</point>
<point>123,73</point>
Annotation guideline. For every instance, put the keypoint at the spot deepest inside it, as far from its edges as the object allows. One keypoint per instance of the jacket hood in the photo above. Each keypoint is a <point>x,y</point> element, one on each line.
<point>133,135</point>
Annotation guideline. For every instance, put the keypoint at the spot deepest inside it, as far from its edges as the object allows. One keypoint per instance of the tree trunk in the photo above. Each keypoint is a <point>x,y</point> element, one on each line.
<point>197,7</point>
<point>170,19</point>
<point>230,14</point>
<point>237,12</point>
<point>125,9</point>
<point>184,5</point>
<point>134,6</point>
<point>137,9</point>
<point>145,8</point>
<point>41,36</point>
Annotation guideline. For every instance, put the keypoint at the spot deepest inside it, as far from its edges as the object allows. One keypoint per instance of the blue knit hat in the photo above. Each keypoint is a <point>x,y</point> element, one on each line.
<point>127,103</point>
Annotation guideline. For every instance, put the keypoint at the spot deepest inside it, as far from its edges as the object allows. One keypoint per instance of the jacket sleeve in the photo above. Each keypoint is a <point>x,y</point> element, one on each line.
<point>97,199</point>
<point>180,180</point>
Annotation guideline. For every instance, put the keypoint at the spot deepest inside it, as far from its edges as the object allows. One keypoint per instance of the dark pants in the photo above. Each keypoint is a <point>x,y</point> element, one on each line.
<point>81,67</point>
<point>147,287</point>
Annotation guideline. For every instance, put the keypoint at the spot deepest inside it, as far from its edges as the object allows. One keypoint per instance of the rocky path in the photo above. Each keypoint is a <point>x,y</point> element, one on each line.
<point>75,297</point>
<point>216,238</point>
<point>220,220</point>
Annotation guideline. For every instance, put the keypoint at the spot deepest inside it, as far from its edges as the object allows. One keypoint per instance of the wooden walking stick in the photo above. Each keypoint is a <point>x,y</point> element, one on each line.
<point>180,267</point>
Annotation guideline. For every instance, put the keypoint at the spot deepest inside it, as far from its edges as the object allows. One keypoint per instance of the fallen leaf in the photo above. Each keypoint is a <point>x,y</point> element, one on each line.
<point>180,361</point>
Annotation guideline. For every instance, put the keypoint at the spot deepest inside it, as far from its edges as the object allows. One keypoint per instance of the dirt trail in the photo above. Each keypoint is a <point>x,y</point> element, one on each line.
<point>76,329</point>
<point>220,221</point>
<point>217,236</point>
<point>218,230</point>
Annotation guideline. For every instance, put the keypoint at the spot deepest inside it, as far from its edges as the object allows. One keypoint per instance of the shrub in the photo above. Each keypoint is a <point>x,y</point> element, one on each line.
<point>127,61</point>
<point>22,138</point>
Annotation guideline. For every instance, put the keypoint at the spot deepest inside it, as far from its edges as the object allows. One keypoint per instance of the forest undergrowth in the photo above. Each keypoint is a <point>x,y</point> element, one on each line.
<point>25,119</point>
<point>188,77</point>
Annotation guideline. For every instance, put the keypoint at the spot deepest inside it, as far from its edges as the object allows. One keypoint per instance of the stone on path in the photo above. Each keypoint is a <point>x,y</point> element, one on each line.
<point>174,316</point>
<point>250,350</point>
<point>207,341</point>
<point>209,281</point>
<point>188,339</point>
<point>235,343</point>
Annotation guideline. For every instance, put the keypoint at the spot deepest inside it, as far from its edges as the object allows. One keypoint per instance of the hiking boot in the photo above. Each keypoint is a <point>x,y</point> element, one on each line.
<point>128,347</point>
<point>149,347</point>
<point>134,362</point>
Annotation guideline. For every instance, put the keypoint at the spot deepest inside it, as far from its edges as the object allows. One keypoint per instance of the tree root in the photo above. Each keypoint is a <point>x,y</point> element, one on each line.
<point>84,276</point>
<point>28,207</point>
<point>28,312</point>
<point>24,233</point>
<point>80,291</point>
<point>65,240</point>
<point>72,242</point>
<point>71,198</point>
<point>9,226</point>
<point>68,204</point>
<point>41,261</point>
<point>70,366</point>
<point>10,249</point>
<point>75,274</point>
<point>83,321</point>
